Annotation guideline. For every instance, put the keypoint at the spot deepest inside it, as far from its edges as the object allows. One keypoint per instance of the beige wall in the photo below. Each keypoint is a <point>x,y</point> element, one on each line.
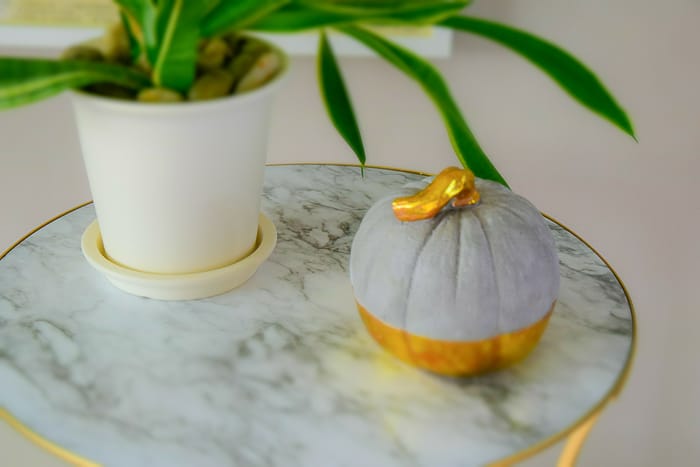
<point>636,203</point>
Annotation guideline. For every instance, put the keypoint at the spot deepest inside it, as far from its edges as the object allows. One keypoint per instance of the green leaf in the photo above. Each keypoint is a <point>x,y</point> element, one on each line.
<point>27,80</point>
<point>386,8</point>
<point>571,74</point>
<point>336,98</point>
<point>465,145</point>
<point>239,14</point>
<point>135,46</point>
<point>295,19</point>
<point>142,24</point>
<point>177,28</point>
<point>313,14</point>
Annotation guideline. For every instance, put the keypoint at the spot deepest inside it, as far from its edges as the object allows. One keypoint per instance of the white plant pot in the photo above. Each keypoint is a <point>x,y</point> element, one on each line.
<point>176,187</point>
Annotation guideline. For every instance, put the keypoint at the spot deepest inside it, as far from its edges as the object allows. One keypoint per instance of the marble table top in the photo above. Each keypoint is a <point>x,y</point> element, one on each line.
<point>281,372</point>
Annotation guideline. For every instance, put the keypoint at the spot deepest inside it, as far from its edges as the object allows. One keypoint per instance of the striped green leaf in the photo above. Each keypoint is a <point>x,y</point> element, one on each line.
<point>570,73</point>
<point>135,45</point>
<point>294,18</point>
<point>27,80</point>
<point>237,15</point>
<point>177,29</point>
<point>336,98</point>
<point>142,24</point>
<point>386,8</point>
<point>465,145</point>
<point>318,14</point>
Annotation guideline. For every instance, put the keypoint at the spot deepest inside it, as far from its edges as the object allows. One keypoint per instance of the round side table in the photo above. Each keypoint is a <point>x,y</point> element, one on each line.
<point>281,371</point>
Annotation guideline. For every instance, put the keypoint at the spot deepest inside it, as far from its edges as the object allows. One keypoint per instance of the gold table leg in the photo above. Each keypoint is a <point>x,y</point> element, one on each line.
<point>575,441</point>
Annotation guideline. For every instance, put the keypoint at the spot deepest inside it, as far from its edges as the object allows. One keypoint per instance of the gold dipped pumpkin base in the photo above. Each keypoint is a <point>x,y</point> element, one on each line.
<point>452,358</point>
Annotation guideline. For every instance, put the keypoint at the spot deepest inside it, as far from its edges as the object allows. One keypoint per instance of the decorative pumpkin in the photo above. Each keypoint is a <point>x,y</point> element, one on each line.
<point>459,289</point>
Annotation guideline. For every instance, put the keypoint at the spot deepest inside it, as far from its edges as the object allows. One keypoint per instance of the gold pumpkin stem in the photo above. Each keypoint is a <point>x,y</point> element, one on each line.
<point>452,183</point>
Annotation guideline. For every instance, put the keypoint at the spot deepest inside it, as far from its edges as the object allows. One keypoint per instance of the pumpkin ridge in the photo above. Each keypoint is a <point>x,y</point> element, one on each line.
<point>459,257</point>
<point>518,212</point>
<point>437,220</point>
<point>372,260</point>
<point>493,266</point>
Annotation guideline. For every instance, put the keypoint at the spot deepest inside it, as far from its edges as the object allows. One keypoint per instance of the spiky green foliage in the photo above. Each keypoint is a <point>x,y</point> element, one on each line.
<point>164,36</point>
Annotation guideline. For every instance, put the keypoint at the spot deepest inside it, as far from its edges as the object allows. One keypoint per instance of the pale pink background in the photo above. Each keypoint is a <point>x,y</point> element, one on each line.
<point>636,203</point>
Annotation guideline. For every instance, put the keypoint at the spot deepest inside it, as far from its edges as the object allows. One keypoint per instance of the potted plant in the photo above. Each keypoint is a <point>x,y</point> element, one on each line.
<point>172,110</point>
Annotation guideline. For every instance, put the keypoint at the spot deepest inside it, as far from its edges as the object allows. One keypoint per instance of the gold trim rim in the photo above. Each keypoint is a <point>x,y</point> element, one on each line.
<point>349,164</point>
<point>526,453</point>
<point>49,446</point>
<point>36,229</point>
<point>7,416</point>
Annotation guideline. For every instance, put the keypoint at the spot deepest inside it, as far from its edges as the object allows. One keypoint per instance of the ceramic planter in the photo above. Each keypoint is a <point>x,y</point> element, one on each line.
<point>176,187</point>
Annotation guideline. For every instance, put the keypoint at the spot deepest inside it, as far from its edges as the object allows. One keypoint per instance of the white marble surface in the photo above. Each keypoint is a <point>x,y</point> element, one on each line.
<point>281,371</point>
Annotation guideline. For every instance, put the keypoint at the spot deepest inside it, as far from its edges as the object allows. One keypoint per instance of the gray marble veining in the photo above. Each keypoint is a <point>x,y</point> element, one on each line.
<point>281,371</point>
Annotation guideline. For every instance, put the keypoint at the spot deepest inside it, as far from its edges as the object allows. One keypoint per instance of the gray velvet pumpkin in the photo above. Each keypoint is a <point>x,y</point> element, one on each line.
<point>472,279</point>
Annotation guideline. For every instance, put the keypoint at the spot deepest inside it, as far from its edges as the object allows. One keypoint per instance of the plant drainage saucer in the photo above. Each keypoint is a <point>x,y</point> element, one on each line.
<point>180,286</point>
